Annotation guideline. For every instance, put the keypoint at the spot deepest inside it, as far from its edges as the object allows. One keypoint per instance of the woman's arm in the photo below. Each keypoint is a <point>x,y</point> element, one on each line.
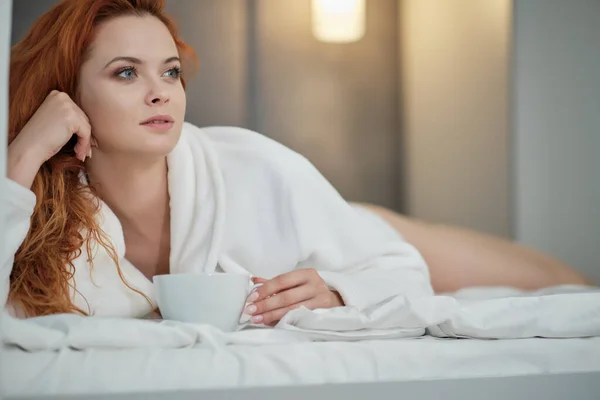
<point>361,261</point>
<point>344,258</point>
<point>52,125</point>
<point>352,256</point>
<point>17,204</point>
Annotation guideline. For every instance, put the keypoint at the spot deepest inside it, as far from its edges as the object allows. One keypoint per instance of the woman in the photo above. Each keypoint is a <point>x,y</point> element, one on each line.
<point>109,187</point>
<point>102,167</point>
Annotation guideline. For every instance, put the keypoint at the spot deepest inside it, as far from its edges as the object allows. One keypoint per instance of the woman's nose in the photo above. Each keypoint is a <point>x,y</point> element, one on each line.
<point>157,96</point>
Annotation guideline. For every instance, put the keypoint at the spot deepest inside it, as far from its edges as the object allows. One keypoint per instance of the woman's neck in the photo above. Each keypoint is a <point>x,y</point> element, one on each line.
<point>136,190</point>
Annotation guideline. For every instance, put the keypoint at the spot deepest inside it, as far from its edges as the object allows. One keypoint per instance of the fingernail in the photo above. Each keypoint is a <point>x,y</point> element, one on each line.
<point>90,153</point>
<point>253,297</point>
<point>250,309</point>
<point>244,318</point>
<point>257,319</point>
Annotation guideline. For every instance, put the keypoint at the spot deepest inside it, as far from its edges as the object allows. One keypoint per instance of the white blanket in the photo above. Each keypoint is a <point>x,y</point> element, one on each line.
<point>501,313</point>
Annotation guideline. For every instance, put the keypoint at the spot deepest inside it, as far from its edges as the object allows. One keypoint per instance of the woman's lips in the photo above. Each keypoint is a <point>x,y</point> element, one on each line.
<point>158,123</point>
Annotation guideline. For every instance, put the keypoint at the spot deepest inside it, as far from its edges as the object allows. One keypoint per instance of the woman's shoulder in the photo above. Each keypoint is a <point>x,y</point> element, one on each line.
<point>245,148</point>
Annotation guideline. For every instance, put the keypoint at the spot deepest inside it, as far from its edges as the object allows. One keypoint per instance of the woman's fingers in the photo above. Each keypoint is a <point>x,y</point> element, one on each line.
<point>286,281</point>
<point>281,300</point>
<point>285,292</point>
<point>84,138</point>
<point>272,317</point>
<point>82,128</point>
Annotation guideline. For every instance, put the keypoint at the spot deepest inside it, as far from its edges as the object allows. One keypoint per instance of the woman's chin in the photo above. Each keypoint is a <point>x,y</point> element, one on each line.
<point>159,145</point>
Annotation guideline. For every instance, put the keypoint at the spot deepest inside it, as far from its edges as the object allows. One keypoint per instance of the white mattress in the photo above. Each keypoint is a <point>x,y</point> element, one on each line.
<point>75,355</point>
<point>141,370</point>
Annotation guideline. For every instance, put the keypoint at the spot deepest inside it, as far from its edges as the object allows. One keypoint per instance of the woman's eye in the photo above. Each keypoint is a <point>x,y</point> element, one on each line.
<point>174,73</point>
<point>126,73</point>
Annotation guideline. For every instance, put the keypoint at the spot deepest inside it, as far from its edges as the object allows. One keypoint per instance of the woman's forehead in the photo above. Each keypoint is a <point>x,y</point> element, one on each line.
<point>145,38</point>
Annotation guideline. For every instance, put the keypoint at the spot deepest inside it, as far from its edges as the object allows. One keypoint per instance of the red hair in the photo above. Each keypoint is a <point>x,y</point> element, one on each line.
<point>64,218</point>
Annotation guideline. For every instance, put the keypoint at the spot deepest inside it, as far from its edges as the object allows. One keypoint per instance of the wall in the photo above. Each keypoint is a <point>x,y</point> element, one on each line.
<point>557,129</point>
<point>23,15</point>
<point>217,31</point>
<point>455,79</point>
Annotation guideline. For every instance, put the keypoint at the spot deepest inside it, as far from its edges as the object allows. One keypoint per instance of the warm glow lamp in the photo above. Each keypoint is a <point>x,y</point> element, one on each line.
<point>338,21</point>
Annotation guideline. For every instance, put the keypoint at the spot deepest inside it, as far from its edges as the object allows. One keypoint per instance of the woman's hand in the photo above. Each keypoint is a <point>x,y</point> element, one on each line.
<point>54,123</point>
<point>302,287</point>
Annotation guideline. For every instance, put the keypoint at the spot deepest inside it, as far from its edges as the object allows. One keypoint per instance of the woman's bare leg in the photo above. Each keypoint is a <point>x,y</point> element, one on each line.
<point>459,258</point>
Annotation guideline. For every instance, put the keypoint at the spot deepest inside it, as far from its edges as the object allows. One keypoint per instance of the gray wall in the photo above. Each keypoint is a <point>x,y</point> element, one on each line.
<point>261,68</point>
<point>557,129</point>
<point>455,80</point>
<point>217,31</point>
<point>24,14</point>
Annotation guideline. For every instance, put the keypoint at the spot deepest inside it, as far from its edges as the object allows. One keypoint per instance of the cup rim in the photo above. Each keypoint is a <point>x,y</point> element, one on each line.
<point>192,275</point>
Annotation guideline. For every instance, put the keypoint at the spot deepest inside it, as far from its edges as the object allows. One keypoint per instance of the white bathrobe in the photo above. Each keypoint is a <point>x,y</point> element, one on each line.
<point>241,203</point>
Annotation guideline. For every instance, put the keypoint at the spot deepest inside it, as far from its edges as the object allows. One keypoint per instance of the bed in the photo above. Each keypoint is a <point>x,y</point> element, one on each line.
<point>304,364</point>
<point>86,362</point>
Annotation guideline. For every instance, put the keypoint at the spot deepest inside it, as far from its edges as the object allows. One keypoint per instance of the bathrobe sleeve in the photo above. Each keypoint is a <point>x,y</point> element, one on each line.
<point>360,260</point>
<point>16,205</point>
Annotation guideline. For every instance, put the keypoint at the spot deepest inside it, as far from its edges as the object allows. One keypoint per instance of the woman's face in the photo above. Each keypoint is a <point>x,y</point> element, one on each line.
<point>130,88</point>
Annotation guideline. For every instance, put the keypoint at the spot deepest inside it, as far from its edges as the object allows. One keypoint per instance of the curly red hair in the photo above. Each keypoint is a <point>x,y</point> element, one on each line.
<point>64,219</point>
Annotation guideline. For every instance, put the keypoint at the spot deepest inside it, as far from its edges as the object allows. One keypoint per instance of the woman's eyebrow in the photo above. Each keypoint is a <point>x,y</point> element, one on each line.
<point>134,60</point>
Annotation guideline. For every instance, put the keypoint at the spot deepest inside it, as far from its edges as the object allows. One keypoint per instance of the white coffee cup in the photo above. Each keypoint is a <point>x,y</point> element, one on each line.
<point>217,298</point>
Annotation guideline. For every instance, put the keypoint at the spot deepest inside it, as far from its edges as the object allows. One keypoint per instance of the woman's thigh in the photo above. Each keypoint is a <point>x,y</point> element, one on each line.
<point>459,258</point>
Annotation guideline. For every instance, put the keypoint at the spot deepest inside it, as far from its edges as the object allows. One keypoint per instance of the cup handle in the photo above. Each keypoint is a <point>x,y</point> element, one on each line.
<point>245,319</point>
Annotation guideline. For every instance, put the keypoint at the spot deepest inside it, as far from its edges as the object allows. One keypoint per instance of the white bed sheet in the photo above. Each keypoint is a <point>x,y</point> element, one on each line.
<point>76,355</point>
<point>95,371</point>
